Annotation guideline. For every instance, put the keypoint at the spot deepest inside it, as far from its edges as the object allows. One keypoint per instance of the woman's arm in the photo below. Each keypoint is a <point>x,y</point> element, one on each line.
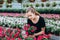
<point>41,32</point>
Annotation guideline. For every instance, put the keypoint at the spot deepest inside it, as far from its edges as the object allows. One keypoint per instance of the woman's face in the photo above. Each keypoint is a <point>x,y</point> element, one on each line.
<point>30,15</point>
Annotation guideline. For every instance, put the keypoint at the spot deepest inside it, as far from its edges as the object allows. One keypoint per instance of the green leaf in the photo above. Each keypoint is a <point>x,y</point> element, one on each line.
<point>4,38</point>
<point>29,38</point>
<point>20,35</point>
<point>45,39</point>
<point>16,39</point>
<point>0,38</point>
<point>31,28</point>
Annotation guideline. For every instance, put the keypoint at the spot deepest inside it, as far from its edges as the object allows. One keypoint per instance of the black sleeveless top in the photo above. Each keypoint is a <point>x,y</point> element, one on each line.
<point>40,24</point>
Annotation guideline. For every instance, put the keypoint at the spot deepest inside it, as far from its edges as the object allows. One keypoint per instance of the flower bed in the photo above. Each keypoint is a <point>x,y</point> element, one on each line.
<point>10,34</point>
<point>15,29</point>
<point>16,33</point>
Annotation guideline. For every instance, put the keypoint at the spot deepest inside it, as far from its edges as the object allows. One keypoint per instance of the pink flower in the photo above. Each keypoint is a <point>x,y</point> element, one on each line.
<point>9,30</point>
<point>27,25</point>
<point>8,38</point>
<point>19,39</point>
<point>18,29</point>
<point>12,33</point>
<point>12,38</point>
<point>26,28</point>
<point>1,34</point>
<point>27,33</point>
<point>46,36</point>
<point>32,30</point>
<point>40,37</point>
<point>34,38</point>
<point>1,31</point>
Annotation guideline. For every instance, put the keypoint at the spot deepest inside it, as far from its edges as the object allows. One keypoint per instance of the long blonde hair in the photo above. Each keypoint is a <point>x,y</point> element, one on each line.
<point>32,10</point>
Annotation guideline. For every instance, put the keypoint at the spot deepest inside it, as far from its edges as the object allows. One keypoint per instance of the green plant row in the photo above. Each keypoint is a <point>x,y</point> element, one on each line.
<point>40,10</point>
<point>48,10</point>
<point>12,10</point>
<point>48,4</point>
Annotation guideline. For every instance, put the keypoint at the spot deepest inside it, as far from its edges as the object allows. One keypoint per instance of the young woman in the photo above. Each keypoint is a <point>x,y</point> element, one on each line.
<point>34,19</point>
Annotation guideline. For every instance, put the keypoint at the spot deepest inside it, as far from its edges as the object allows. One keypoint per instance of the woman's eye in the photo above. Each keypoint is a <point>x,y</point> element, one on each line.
<point>30,15</point>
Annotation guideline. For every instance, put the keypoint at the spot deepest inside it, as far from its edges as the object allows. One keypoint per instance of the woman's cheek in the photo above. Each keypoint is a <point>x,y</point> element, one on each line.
<point>30,17</point>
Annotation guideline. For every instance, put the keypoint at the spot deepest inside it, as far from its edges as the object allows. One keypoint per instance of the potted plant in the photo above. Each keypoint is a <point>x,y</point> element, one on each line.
<point>37,5</point>
<point>47,4</point>
<point>54,4</point>
<point>9,1</point>
<point>31,0</point>
<point>8,5</point>
<point>42,4</point>
<point>19,1</point>
<point>27,5</point>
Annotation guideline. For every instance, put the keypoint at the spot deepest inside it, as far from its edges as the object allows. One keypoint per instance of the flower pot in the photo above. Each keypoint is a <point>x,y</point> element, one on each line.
<point>31,0</point>
<point>9,1</point>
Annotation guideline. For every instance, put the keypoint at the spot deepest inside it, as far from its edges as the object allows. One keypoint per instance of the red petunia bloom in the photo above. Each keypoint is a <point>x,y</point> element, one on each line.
<point>27,33</point>
<point>1,31</point>
<point>16,35</point>
<point>18,30</point>
<point>26,28</point>
<point>9,30</point>
<point>32,30</point>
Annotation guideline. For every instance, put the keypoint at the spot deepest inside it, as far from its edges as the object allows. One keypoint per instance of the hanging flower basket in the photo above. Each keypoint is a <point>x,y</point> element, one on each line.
<point>54,4</point>
<point>31,0</point>
<point>9,1</point>
<point>1,1</point>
